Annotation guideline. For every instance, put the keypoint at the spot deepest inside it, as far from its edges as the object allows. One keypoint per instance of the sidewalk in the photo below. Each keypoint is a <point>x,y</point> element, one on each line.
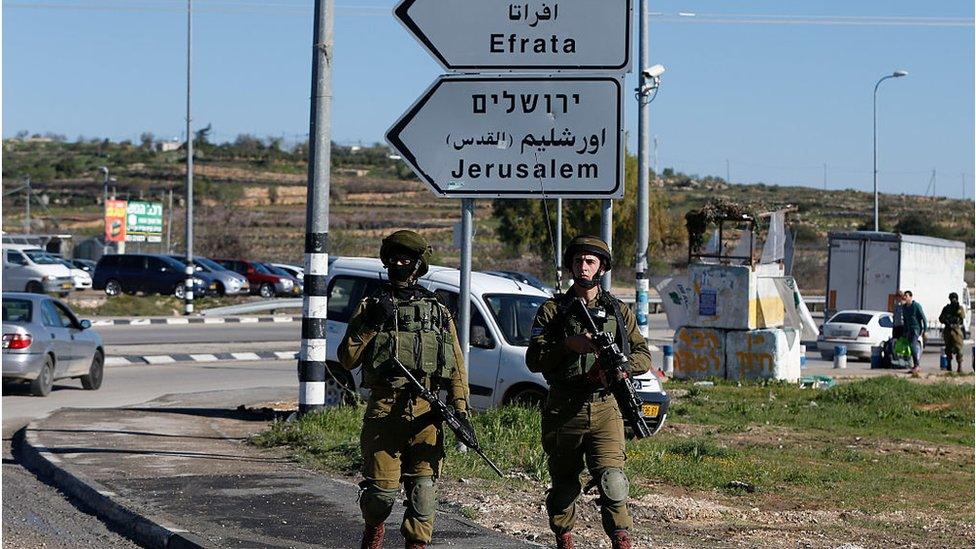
<point>178,472</point>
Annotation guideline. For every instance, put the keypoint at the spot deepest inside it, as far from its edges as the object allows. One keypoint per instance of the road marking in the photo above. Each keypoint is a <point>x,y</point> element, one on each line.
<point>245,356</point>
<point>159,359</point>
<point>204,358</point>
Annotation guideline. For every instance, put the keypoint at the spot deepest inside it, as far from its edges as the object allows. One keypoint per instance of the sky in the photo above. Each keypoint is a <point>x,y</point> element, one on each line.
<point>761,91</point>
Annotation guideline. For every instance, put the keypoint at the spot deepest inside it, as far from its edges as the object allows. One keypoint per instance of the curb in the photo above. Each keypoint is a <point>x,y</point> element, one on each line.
<point>149,531</point>
<point>194,320</point>
<point>127,360</point>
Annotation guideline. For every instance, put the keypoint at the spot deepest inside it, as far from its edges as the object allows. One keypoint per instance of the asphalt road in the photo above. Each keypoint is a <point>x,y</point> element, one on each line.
<point>36,514</point>
<point>200,333</point>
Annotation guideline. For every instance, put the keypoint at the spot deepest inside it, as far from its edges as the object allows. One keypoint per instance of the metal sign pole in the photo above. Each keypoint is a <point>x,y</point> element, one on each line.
<point>643,163</point>
<point>312,371</point>
<point>27,219</point>
<point>559,244</point>
<point>188,293</point>
<point>606,233</point>
<point>464,300</point>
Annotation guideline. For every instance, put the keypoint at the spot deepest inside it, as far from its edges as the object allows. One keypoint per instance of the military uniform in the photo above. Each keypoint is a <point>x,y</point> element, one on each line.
<point>401,440</point>
<point>581,422</point>
<point>952,318</point>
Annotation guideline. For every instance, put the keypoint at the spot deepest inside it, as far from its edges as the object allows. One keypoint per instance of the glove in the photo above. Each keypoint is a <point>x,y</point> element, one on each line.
<point>378,311</point>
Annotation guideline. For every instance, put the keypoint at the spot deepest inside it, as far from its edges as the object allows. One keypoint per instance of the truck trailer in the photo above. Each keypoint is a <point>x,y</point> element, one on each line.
<point>866,269</point>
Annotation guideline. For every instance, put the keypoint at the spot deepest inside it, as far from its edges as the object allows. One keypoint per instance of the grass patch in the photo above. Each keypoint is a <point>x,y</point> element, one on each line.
<point>764,442</point>
<point>151,305</point>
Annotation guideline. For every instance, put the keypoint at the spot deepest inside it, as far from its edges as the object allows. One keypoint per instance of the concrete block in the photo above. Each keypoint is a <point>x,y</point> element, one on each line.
<point>762,354</point>
<point>733,297</point>
<point>699,353</point>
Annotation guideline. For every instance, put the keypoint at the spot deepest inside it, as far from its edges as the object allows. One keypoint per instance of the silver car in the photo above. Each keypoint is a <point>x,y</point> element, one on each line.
<point>228,282</point>
<point>44,341</point>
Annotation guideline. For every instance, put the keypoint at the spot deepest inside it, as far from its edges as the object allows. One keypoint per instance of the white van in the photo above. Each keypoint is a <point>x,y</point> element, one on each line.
<point>502,312</point>
<point>27,268</point>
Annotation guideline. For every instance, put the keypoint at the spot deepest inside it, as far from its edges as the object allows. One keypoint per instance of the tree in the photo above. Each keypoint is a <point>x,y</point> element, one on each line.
<point>522,223</point>
<point>146,140</point>
<point>918,224</point>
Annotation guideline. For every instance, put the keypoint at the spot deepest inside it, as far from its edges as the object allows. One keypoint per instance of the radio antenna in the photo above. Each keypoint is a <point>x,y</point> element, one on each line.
<point>552,241</point>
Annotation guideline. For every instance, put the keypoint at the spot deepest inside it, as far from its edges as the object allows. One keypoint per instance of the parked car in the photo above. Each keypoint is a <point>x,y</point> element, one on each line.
<point>297,285</point>
<point>86,265</point>
<point>30,271</point>
<point>263,282</point>
<point>502,312</point>
<point>524,278</point>
<point>228,282</point>
<point>43,341</point>
<point>857,330</point>
<point>294,270</point>
<point>82,280</point>
<point>149,274</point>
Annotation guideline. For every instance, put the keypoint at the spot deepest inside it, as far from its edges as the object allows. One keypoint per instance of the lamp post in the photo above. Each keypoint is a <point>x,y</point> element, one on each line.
<point>896,74</point>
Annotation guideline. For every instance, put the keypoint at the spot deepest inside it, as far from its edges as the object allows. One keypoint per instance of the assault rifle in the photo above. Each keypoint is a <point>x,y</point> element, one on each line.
<point>459,425</point>
<point>613,364</point>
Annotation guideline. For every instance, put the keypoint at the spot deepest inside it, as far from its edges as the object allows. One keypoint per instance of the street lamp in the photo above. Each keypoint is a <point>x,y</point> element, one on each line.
<point>104,170</point>
<point>896,74</point>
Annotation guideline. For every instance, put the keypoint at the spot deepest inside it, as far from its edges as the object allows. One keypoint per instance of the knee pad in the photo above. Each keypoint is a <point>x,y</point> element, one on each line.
<point>376,503</point>
<point>421,498</point>
<point>614,486</point>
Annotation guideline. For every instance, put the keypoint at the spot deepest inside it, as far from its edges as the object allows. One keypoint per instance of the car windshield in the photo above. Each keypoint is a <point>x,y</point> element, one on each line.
<point>42,258</point>
<point>209,263</point>
<point>16,310</point>
<point>259,267</point>
<point>851,318</point>
<point>278,271</point>
<point>514,314</point>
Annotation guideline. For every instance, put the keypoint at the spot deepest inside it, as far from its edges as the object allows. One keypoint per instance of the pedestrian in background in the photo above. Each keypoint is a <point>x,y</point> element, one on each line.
<point>953,318</point>
<point>581,423</point>
<point>897,315</point>
<point>402,440</point>
<point>915,323</point>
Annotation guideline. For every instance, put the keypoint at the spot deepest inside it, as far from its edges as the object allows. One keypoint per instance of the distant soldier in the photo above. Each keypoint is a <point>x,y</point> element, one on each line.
<point>953,318</point>
<point>581,423</point>
<point>401,440</point>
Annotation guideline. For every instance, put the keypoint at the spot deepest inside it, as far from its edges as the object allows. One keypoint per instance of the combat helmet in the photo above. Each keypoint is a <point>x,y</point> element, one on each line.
<point>408,243</point>
<point>589,244</point>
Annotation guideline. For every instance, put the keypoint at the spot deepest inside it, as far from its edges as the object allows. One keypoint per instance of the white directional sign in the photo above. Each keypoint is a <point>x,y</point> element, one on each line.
<point>529,136</point>
<point>500,35</point>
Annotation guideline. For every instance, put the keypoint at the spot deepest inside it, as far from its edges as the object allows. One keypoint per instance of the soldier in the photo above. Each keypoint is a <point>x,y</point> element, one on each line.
<point>401,440</point>
<point>952,318</point>
<point>581,420</point>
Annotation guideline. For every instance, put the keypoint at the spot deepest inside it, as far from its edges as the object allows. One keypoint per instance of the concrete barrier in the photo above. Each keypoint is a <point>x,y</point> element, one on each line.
<point>699,353</point>
<point>762,354</point>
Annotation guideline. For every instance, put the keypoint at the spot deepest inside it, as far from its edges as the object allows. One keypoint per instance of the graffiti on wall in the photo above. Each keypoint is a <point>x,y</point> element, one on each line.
<point>699,352</point>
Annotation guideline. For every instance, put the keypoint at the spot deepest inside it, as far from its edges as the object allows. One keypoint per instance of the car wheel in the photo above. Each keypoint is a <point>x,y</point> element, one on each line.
<point>34,287</point>
<point>267,290</point>
<point>180,291</point>
<point>42,384</point>
<point>93,380</point>
<point>221,291</point>
<point>113,287</point>
<point>529,397</point>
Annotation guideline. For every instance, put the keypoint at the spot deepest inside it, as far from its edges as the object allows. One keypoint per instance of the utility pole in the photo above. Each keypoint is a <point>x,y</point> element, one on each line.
<point>464,298</point>
<point>964,193</point>
<point>188,297</point>
<point>657,172</point>
<point>825,176</point>
<point>643,168</point>
<point>606,232</point>
<point>728,171</point>
<point>559,245</point>
<point>169,225</point>
<point>27,219</point>
<point>312,368</point>
<point>105,181</point>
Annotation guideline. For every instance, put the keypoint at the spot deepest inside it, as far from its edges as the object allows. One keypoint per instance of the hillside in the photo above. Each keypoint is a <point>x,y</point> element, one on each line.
<point>250,195</point>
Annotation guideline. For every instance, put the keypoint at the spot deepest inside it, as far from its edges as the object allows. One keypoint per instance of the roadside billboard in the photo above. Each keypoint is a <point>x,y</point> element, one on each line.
<point>115,212</point>
<point>144,221</point>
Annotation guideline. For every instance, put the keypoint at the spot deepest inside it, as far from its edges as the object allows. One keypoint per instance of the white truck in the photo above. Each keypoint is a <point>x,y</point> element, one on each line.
<point>865,270</point>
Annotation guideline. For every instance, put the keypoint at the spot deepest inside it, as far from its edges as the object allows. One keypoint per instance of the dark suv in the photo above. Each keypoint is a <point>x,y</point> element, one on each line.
<point>149,274</point>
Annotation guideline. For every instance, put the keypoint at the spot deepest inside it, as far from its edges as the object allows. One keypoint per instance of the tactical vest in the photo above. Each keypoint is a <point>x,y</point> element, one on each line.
<point>423,342</point>
<point>607,317</point>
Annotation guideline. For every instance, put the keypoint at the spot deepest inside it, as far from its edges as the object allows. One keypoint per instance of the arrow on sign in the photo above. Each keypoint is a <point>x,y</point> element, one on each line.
<point>466,35</point>
<point>529,136</point>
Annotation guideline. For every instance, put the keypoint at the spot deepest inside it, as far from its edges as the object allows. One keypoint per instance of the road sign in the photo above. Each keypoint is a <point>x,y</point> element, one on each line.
<point>144,221</point>
<point>496,35</point>
<point>479,136</point>
<point>115,211</point>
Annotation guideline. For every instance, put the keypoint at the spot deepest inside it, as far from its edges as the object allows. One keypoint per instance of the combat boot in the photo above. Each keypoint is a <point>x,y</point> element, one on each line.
<point>564,541</point>
<point>373,537</point>
<point>415,545</point>
<point>620,539</point>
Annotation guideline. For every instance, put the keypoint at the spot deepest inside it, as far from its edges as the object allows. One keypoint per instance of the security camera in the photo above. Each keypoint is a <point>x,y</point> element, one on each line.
<point>653,72</point>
